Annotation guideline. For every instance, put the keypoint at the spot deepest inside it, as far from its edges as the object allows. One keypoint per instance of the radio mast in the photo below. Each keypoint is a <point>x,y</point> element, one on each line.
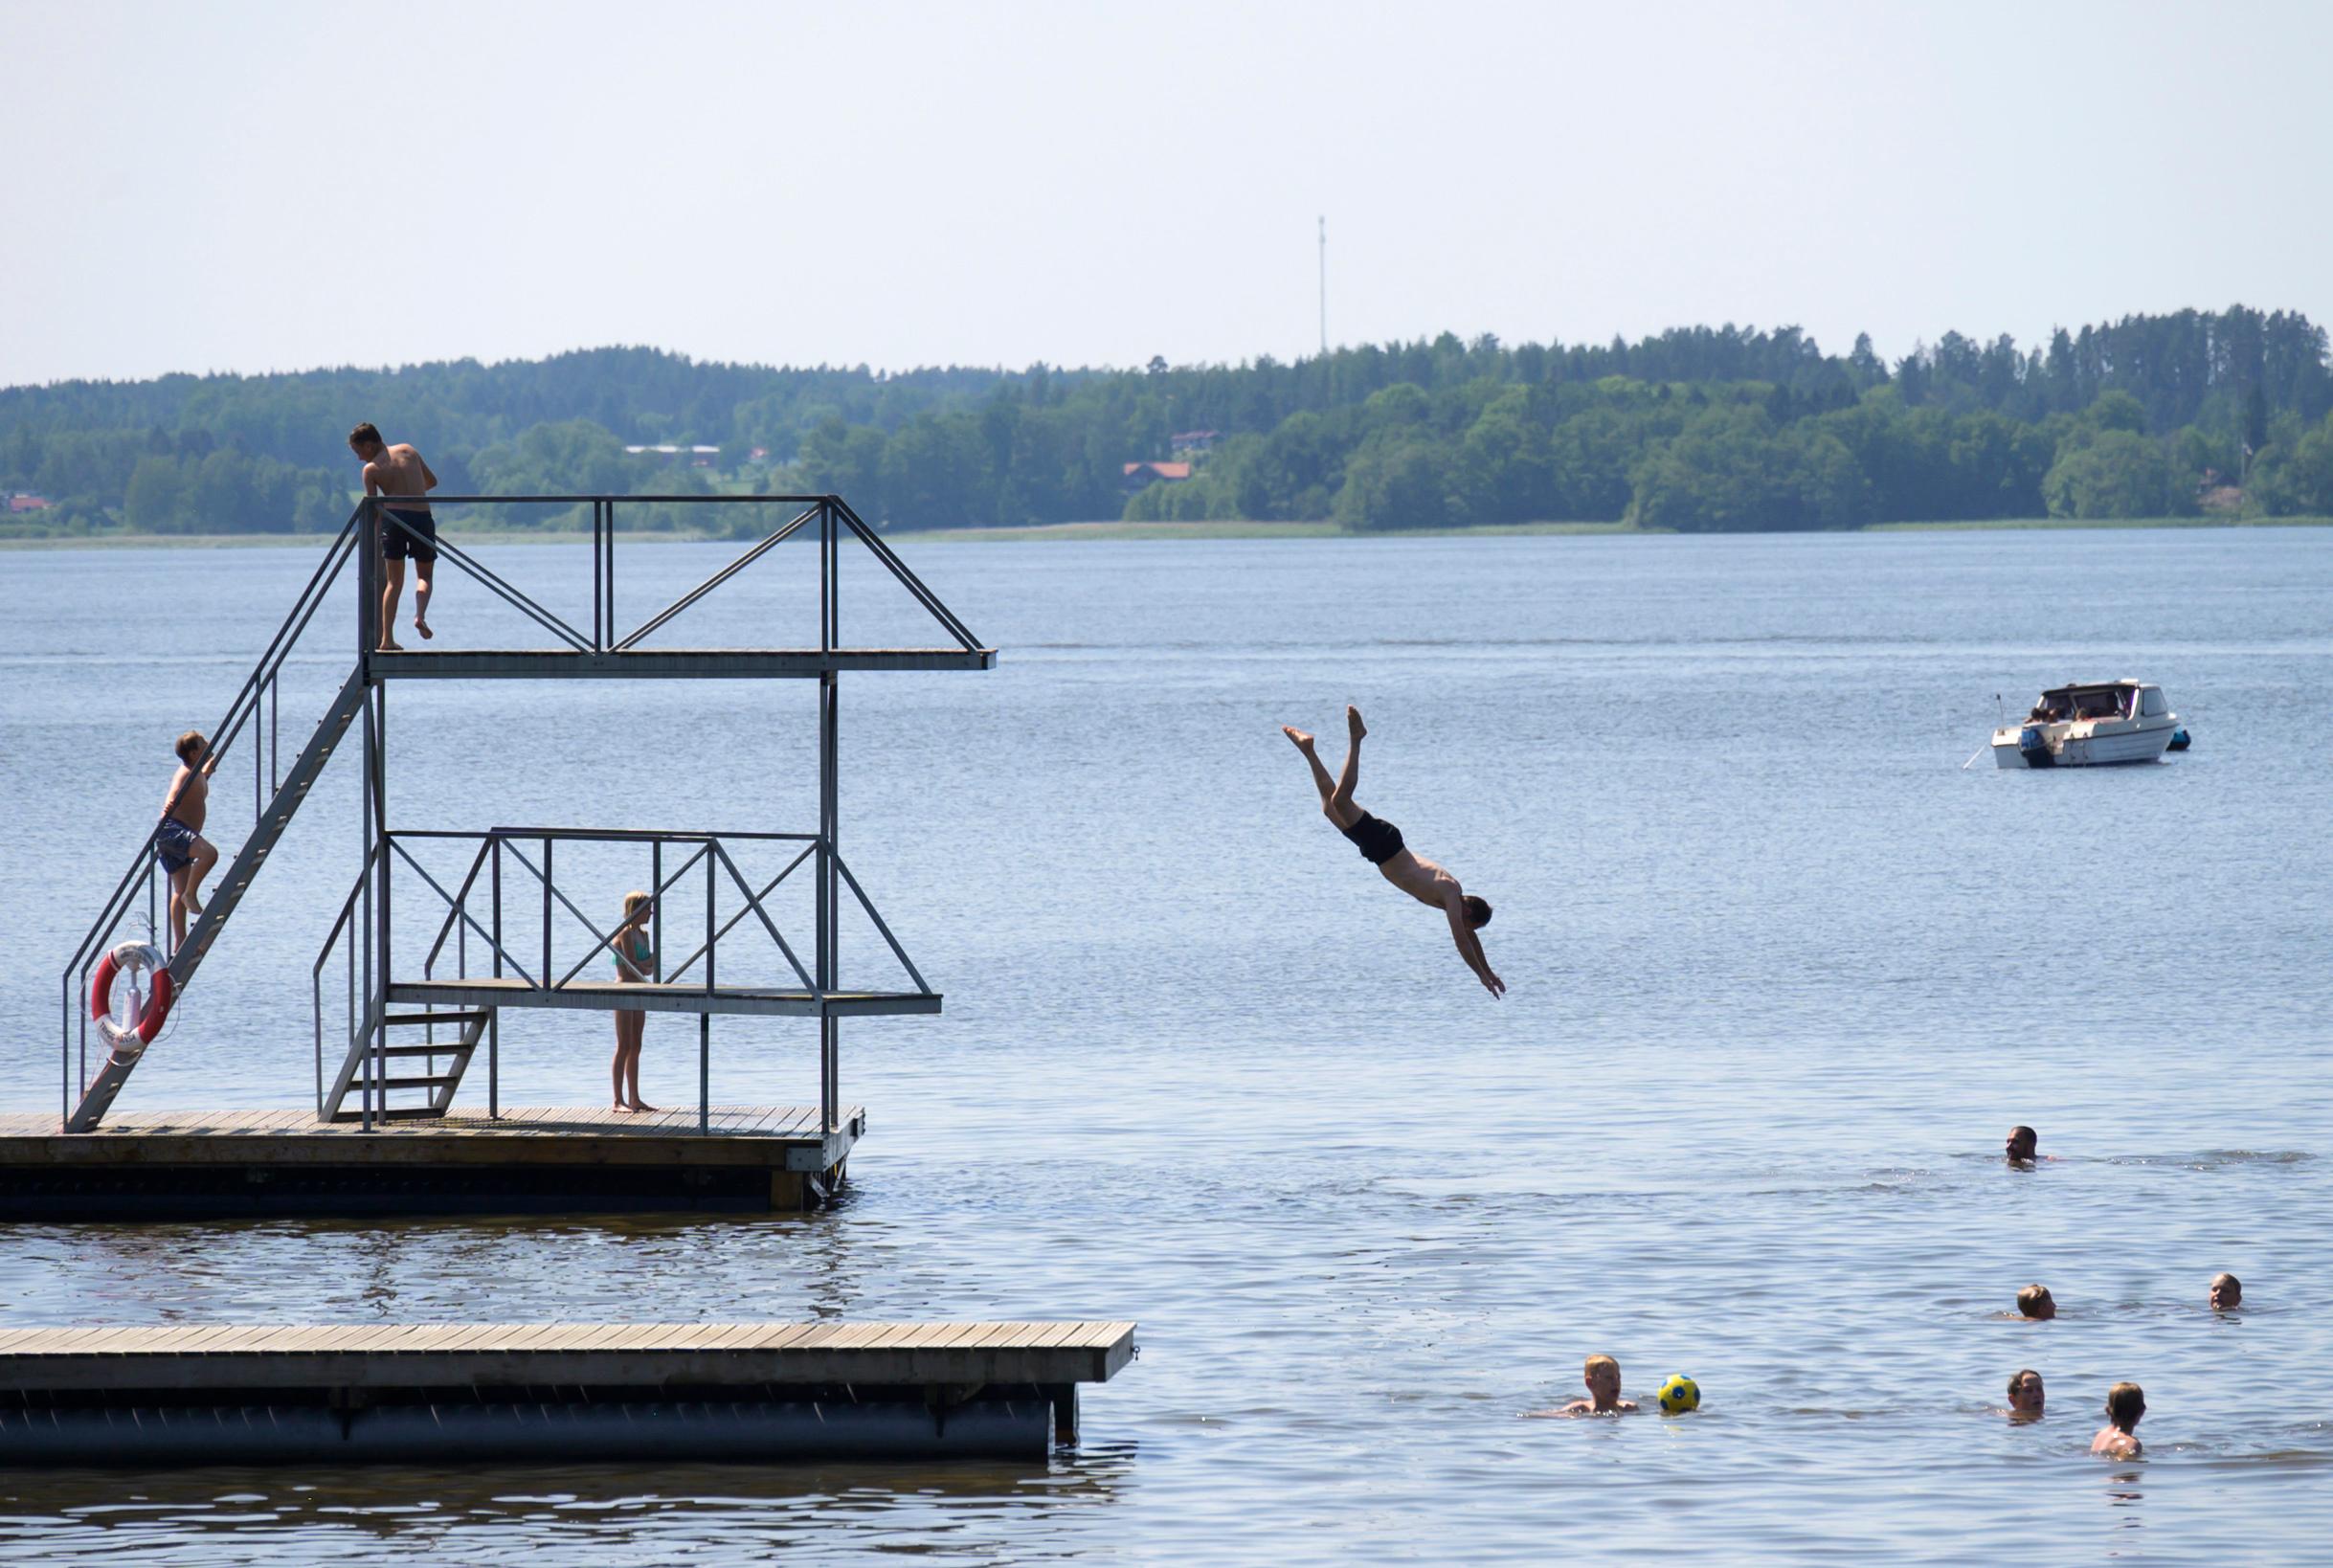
<point>1324,286</point>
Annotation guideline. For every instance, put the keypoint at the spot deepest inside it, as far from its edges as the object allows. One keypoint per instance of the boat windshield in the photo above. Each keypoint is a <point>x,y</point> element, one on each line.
<point>2097,705</point>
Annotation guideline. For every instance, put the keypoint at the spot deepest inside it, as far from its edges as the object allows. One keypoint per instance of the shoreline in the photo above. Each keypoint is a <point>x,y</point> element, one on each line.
<point>1041,532</point>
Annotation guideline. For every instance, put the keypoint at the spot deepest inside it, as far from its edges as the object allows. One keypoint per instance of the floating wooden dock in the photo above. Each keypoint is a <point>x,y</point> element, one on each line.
<point>558,1392</point>
<point>183,1165</point>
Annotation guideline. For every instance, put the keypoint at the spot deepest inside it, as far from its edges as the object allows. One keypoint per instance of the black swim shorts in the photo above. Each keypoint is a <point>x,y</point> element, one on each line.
<point>174,842</point>
<point>396,544</point>
<point>1378,839</point>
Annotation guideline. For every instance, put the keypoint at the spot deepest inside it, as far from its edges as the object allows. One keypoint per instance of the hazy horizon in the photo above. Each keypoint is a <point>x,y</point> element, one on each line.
<point>900,186</point>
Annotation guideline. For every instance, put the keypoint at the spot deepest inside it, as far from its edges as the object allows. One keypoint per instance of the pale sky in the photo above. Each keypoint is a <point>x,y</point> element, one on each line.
<point>253,187</point>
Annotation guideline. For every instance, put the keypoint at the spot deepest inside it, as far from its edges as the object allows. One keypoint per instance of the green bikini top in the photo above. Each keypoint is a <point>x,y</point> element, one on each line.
<point>636,949</point>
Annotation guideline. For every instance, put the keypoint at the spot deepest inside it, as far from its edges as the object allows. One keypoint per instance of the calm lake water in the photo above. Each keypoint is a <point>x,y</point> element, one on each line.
<point>1782,973</point>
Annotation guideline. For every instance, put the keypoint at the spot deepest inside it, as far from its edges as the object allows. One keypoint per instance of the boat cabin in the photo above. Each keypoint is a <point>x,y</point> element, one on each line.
<point>2100,699</point>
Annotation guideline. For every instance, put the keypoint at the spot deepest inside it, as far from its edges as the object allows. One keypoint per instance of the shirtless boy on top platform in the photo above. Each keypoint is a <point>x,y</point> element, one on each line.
<point>408,526</point>
<point>1381,844</point>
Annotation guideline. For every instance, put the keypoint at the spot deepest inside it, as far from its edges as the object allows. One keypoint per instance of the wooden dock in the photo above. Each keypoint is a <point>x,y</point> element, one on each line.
<point>177,1165</point>
<point>564,1392</point>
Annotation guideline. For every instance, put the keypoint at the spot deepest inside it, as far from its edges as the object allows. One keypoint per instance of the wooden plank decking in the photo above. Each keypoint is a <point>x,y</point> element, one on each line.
<point>574,1160</point>
<point>250,1358</point>
<point>505,1392</point>
<point>740,1134</point>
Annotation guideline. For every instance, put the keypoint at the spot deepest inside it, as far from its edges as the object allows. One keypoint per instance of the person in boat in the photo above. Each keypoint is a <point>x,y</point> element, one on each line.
<point>1381,845</point>
<point>2227,1292</point>
<point>408,529</point>
<point>186,857</point>
<point>1602,1375</point>
<point>2119,1438</point>
<point>634,965</point>
<point>2022,1146</point>
<point>2035,1302</point>
<point>2026,1397</point>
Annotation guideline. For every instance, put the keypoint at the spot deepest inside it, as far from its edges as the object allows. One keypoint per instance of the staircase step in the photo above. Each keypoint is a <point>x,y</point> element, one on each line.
<point>441,1049</point>
<point>394,1020</point>
<point>418,1083</point>
<point>400,1113</point>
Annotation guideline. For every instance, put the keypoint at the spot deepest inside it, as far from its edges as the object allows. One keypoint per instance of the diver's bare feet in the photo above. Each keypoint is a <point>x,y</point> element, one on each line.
<point>1352,723</point>
<point>1304,741</point>
<point>390,645</point>
<point>618,1106</point>
<point>641,1104</point>
<point>422,626</point>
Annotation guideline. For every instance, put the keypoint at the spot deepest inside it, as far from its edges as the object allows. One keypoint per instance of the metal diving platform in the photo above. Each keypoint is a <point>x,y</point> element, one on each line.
<point>443,931</point>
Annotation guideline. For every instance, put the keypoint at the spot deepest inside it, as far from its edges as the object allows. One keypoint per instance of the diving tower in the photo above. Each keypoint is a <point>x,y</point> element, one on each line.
<point>420,1003</point>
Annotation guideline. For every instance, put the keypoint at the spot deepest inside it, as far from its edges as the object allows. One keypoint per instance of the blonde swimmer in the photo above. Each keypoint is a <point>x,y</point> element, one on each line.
<point>635,964</point>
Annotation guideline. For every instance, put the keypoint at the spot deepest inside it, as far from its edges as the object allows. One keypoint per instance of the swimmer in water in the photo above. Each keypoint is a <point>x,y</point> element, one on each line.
<point>2024,1397</point>
<point>1381,844</point>
<point>2022,1145</point>
<point>2117,1439</point>
<point>2034,1302</point>
<point>1602,1375</point>
<point>2227,1292</point>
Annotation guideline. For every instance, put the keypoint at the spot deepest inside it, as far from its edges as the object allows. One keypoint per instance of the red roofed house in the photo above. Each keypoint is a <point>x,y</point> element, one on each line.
<point>1141,476</point>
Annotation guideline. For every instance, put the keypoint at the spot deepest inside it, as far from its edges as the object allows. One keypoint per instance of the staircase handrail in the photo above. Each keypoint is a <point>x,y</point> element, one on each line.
<point>230,725</point>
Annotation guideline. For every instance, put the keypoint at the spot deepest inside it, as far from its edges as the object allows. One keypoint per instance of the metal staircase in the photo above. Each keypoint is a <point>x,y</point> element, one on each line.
<point>438,1086</point>
<point>259,694</point>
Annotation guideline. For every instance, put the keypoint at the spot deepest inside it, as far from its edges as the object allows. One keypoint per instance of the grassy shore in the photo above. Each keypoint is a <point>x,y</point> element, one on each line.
<point>1132,530</point>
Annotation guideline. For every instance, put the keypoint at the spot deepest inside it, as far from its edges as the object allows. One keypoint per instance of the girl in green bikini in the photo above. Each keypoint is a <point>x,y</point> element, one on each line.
<point>635,964</point>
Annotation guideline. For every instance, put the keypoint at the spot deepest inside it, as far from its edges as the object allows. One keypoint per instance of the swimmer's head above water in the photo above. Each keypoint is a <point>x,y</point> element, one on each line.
<point>2021,1145</point>
<point>2125,1404</point>
<point>2034,1302</point>
<point>1602,1375</point>
<point>2026,1395</point>
<point>2226,1291</point>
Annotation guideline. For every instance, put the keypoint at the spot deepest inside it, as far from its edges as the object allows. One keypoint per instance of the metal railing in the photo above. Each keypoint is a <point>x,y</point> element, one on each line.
<point>520,864</point>
<point>260,694</point>
<point>833,516</point>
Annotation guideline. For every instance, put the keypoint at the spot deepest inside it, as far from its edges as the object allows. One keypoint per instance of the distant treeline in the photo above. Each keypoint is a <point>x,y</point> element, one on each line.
<point>1698,428</point>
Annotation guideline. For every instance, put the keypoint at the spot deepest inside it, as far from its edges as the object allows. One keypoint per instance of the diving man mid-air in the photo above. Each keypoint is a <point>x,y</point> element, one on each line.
<point>1381,844</point>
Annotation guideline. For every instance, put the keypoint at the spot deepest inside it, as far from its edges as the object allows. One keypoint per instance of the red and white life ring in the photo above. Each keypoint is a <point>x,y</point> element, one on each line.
<point>139,960</point>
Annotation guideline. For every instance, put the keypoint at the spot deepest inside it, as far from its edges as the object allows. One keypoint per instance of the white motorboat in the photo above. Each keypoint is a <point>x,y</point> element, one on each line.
<point>2089,727</point>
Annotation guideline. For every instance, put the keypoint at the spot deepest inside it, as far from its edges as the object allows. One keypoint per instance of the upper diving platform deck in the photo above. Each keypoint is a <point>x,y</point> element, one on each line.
<point>605,645</point>
<point>665,663</point>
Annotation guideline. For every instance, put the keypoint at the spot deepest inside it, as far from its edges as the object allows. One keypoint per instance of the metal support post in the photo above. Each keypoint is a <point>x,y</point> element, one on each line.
<point>368,581</point>
<point>494,1024</point>
<point>381,909</point>
<point>705,1020</point>
<point>829,905</point>
<point>547,971</point>
<point>361,1026</point>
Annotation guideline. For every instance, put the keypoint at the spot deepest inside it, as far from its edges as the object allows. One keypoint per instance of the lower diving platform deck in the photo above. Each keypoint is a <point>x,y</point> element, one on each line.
<point>763,1001</point>
<point>558,1159</point>
<point>558,1392</point>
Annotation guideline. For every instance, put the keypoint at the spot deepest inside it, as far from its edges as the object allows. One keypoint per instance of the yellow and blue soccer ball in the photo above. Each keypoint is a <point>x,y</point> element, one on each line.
<point>1679,1395</point>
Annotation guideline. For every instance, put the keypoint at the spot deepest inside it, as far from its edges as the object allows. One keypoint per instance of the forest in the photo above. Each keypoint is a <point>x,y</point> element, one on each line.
<point>1698,428</point>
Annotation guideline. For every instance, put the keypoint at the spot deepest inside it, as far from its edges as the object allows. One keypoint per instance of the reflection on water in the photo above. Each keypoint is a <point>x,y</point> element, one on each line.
<point>976,1511</point>
<point>1780,977</point>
